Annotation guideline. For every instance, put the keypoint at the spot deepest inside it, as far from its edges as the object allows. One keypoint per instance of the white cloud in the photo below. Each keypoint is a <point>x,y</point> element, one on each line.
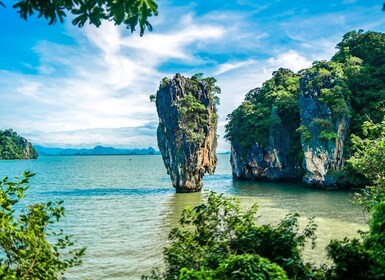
<point>290,59</point>
<point>225,67</point>
<point>102,86</point>
<point>91,92</point>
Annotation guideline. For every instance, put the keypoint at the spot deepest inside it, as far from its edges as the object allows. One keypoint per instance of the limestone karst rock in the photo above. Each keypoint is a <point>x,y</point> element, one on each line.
<point>262,131</point>
<point>187,129</point>
<point>294,127</point>
<point>13,146</point>
<point>324,126</point>
<point>271,162</point>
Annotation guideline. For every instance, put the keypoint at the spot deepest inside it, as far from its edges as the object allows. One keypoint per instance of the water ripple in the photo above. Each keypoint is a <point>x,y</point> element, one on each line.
<point>112,192</point>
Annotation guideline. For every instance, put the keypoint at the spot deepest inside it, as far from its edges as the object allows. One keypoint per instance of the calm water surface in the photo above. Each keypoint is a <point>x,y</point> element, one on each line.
<point>122,207</point>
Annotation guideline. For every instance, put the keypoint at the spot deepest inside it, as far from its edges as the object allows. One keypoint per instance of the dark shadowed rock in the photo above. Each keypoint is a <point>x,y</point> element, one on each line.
<point>187,129</point>
<point>262,131</point>
<point>271,162</point>
<point>324,126</point>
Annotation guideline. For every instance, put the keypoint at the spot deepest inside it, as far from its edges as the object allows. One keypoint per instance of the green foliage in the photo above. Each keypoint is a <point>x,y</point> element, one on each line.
<point>236,267</point>
<point>329,79</point>
<point>250,123</point>
<point>194,118</point>
<point>127,12</point>
<point>305,133</point>
<point>364,258</point>
<point>220,240</point>
<point>368,159</point>
<point>152,98</point>
<point>165,81</point>
<point>327,135</point>
<point>195,114</point>
<point>29,248</point>
<point>12,146</point>
<point>363,54</point>
<point>368,46</point>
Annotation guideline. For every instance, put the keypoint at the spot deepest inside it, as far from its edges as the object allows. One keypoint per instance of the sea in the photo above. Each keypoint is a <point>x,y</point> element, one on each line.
<point>122,208</point>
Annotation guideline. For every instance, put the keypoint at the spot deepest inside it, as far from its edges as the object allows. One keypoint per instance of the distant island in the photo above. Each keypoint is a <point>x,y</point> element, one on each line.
<point>13,146</point>
<point>98,150</point>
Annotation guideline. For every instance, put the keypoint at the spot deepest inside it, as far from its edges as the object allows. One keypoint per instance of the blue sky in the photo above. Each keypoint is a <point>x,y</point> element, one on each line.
<point>69,87</point>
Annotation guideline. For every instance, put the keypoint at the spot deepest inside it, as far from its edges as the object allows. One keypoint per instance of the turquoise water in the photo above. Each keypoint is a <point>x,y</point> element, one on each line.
<point>122,207</point>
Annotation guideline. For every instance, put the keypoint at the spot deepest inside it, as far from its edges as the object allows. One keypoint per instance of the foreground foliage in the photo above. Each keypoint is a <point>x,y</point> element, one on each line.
<point>127,12</point>
<point>369,160</point>
<point>29,247</point>
<point>364,258</point>
<point>361,258</point>
<point>220,240</point>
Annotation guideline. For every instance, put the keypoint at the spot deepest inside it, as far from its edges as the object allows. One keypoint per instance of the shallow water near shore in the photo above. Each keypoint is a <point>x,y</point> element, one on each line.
<point>123,207</point>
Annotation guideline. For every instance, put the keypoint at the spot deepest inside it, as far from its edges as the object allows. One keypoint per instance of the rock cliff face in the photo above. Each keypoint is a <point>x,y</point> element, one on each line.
<point>13,146</point>
<point>271,162</point>
<point>323,132</point>
<point>306,128</point>
<point>298,125</point>
<point>187,129</point>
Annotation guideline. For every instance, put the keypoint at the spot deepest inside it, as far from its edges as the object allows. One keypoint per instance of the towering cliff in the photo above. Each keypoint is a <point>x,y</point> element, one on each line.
<point>324,105</point>
<point>262,131</point>
<point>13,146</point>
<point>187,129</point>
<point>298,126</point>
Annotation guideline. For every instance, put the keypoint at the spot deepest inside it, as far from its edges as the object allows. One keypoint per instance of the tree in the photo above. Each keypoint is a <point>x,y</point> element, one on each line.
<point>29,247</point>
<point>127,12</point>
<point>364,258</point>
<point>220,240</point>
<point>368,159</point>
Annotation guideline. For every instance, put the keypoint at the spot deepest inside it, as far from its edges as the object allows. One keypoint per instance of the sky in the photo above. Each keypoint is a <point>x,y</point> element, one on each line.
<point>64,86</point>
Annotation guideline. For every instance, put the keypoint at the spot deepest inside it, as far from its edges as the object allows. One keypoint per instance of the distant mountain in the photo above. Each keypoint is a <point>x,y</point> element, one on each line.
<point>13,146</point>
<point>98,150</point>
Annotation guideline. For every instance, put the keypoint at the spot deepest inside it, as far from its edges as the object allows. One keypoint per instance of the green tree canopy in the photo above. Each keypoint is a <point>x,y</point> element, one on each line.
<point>127,12</point>
<point>250,122</point>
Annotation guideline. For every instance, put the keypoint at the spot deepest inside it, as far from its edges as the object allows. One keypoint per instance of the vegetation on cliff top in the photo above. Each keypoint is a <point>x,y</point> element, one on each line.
<point>250,122</point>
<point>13,146</point>
<point>351,84</point>
<point>195,114</point>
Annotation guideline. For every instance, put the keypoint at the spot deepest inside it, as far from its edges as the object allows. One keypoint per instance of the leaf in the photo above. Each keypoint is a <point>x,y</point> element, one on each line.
<point>80,20</point>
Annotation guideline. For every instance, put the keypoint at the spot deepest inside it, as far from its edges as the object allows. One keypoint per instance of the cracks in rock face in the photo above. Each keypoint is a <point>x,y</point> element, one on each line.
<point>186,159</point>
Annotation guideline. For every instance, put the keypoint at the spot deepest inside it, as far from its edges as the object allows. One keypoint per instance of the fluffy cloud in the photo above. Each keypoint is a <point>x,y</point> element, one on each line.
<point>94,88</point>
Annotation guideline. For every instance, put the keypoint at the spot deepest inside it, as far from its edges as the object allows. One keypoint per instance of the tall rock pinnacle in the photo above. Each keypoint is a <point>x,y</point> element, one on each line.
<point>187,129</point>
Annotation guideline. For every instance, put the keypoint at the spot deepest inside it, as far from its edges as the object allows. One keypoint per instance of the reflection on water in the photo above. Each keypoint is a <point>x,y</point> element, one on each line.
<point>123,207</point>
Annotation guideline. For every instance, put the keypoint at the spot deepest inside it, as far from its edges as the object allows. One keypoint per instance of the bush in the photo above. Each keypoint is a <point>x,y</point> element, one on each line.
<point>218,239</point>
<point>25,249</point>
<point>237,267</point>
<point>361,259</point>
